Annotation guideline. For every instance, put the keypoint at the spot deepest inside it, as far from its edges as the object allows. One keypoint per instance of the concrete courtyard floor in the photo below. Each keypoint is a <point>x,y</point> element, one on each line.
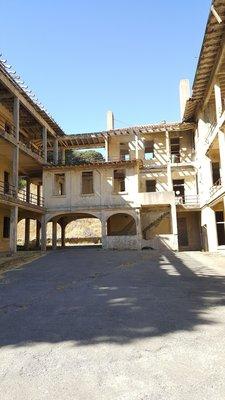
<point>87,324</point>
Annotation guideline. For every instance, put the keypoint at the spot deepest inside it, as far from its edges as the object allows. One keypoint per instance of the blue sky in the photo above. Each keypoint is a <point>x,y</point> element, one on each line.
<point>82,58</point>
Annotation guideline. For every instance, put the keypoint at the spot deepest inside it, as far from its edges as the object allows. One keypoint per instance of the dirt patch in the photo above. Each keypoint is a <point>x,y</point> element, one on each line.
<point>8,263</point>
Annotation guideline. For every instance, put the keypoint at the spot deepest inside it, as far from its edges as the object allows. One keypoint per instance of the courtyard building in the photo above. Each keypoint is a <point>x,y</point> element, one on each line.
<point>159,185</point>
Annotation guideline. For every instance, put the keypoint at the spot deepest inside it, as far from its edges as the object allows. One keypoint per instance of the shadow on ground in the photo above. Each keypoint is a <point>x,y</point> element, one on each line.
<point>91,296</point>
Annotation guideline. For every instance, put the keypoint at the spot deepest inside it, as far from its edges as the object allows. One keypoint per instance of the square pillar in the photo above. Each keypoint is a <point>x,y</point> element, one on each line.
<point>136,146</point>
<point>27,233</point>
<point>106,149</point>
<point>15,155</point>
<point>28,190</point>
<point>54,234</point>
<point>168,160</point>
<point>56,151</point>
<point>43,233</point>
<point>13,229</point>
<point>38,230</point>
<point>16,118</point>
<point>221,139</point>
<point>63,235</point>
<point>45,143</point>
<point>218,100</point>
<point>174,226</point>
<point>63,155</point>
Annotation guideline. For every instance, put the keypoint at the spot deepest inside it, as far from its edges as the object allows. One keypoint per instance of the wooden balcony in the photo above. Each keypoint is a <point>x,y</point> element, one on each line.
<point>9,194</point>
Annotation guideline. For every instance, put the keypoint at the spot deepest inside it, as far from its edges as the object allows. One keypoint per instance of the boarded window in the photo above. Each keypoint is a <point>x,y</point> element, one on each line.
<point>119,180</point>
<point>150,185</point>
<point>149,149</point>
<point>59,184</point>
<point>87,182</point>
<point>6,227</point>
<point>175,149</point>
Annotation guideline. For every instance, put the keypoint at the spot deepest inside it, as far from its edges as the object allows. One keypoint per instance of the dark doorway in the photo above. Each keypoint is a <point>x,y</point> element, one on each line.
<point>182,232</point>
<point>178,187</point>
<point>220,227</point>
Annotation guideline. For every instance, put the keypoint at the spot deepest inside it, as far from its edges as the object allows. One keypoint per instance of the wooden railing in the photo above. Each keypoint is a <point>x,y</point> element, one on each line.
<point>9,191</point>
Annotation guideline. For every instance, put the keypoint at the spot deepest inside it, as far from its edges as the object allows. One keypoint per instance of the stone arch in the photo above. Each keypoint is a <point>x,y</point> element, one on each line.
<point>64,219</point>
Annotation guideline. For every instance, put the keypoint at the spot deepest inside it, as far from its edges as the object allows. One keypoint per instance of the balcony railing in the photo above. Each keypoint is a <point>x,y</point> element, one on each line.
<point>216,187</point>
<point>187,199</point>
<point>9,192</point>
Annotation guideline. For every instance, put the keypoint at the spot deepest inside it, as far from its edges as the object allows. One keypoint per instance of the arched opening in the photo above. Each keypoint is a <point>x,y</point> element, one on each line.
<point>28,234</point>
<point>83,231</point>
<point>49,234</point>
<point>121,224</point>
<point>78,229</point>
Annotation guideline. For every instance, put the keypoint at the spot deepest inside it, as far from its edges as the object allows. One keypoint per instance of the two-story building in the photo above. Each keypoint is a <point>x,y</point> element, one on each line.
<point>159,184</point>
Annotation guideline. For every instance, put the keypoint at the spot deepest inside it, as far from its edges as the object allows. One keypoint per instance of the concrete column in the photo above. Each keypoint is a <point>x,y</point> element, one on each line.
<point>168,160</point>
<point>174,226</point>
<point>38,194</point>
<point>45,143</point>
<point>38,230</point>
<point>63,235</point>
<point>139,229</point>
<point>208,218</point>
<point>221,139</point>
<point>13,229</point>
<point>54,234</point>
<point>43,233</point>
<point>63,155</point>
<point>56,151</point>
<point>27,233</point>
<point>104,232</point>
<point>15,155</point>
<point>218,100</point>
<point>136,146</point>
<point>27,190</point>
<point>107,149</point>
<point>110,121</point>
<point>16,118</point>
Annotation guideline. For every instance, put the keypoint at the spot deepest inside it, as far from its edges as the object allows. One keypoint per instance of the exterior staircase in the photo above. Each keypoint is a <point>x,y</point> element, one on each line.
<point>155,223</point>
